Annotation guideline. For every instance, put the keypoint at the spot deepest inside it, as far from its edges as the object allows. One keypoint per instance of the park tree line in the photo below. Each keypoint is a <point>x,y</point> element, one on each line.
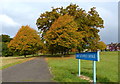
<point>26,42</point>
<point>4,41</point>
<point>61,30</point>
<point>72,27</point>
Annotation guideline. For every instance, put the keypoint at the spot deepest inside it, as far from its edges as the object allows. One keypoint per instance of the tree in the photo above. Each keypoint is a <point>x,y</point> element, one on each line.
<point>63,34</point>
<point>27,41</point>
<point>46,19</point>
<point>5,38</point>
<point>87,22</point>
<point>101,45</point>
<point>90,23</point>
<point>5,50</point>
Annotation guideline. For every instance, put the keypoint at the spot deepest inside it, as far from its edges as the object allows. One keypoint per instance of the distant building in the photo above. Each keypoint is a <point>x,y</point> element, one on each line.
<point>113,47</point>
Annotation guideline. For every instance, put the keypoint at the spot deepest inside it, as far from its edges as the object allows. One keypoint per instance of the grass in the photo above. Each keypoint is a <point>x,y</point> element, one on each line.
<point>6,62</point>
<point>0,48</point>
<point>66,69</point>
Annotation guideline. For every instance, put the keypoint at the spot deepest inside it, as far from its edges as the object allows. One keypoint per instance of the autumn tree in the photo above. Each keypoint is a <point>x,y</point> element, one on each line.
<point>27,41</point>
<point>90,24</point>
<point>63,34</point>
<point>101,45</point>
<point>87,22</point>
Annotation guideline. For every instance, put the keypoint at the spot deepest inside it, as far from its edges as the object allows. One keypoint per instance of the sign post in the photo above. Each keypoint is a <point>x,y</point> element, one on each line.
<point>93,56</point>
<point>94,72</point>
<point>78,67</point>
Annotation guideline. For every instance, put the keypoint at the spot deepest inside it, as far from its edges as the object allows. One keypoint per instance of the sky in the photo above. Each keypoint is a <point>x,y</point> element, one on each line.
<point>15,13</point>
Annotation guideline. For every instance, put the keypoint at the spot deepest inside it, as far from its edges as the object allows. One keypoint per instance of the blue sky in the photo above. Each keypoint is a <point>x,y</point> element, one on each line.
<point>14,14</point>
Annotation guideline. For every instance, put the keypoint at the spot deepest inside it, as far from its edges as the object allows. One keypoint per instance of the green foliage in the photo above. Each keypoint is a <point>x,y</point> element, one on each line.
<point>27,41</point>
<point>5,38</point>
<point>89,23</point>
<point>66,69</point>
<point>5,51</point>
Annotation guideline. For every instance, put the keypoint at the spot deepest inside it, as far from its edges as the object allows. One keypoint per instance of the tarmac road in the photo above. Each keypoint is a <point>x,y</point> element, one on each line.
<point>35,70</point>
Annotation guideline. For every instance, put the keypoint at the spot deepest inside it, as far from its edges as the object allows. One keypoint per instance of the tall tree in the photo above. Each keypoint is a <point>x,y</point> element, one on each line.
<point>26,41</point>
<point>63,34</point>
<point>88,22</point>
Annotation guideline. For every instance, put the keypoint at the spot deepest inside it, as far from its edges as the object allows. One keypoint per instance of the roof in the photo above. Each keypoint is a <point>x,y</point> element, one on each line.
<point>114,44</point>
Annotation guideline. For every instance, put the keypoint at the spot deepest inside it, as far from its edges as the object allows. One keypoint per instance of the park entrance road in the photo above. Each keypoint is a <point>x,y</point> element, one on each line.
<point>35,70</point>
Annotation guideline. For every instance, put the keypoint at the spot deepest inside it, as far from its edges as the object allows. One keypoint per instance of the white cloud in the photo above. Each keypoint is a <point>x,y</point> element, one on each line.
<point>26,13</point>
<point>7,21</point>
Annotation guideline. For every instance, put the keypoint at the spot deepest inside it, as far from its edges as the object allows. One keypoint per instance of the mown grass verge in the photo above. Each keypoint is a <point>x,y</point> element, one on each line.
<point>66,69</point>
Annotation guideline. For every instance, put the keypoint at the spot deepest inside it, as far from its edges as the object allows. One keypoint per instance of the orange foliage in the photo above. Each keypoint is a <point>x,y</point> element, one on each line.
<point>26,40</point>
<point>63,32</point>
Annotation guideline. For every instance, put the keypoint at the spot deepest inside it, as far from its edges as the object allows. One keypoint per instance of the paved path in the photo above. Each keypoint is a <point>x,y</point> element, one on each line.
<point>35,70</point>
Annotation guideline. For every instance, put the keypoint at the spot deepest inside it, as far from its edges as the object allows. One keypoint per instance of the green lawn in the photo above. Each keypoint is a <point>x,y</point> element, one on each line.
<point>0,48</point>
<point>66,69</point>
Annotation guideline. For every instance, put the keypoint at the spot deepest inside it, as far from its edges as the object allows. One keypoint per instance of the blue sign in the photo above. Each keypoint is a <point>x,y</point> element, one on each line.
<point>93,56</point>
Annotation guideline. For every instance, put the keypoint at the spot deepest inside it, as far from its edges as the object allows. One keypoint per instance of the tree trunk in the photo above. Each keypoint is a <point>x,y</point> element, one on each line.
<point>52,53</point>
<point>25,56</point>
<point>79,50</point>
<point>67,52</point>
<point>62,54</point>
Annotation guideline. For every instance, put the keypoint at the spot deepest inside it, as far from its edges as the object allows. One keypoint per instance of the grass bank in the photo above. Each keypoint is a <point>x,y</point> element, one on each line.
<point>66,69</point>
<point>6,62</point>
